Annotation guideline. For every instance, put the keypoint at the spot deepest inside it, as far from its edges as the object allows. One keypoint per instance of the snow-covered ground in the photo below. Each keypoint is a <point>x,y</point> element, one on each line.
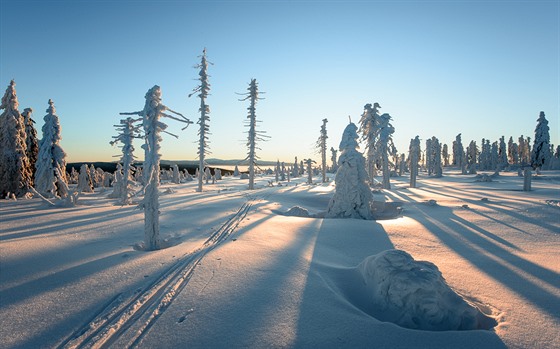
<point>239,273</point>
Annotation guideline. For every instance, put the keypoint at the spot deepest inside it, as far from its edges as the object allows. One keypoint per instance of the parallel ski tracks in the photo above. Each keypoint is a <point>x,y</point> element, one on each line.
<point>128,317</point>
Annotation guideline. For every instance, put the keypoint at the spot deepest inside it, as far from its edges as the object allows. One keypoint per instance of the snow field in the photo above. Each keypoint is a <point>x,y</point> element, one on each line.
<point>280,281</point>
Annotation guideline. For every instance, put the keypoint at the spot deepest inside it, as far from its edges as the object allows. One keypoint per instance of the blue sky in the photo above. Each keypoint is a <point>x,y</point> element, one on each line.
<point>480,68</point>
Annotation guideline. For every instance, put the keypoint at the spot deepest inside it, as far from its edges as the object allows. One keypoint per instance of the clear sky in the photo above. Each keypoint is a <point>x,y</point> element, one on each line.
<point>480,68</point>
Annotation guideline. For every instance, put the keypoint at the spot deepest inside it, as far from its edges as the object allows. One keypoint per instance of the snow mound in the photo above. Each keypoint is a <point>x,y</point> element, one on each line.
<point>413,294</point>
<point>483,178</point>
<point>297,211</point>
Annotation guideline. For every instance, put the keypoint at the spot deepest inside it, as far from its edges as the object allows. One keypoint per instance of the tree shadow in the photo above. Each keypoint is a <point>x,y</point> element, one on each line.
<point>473,244</point>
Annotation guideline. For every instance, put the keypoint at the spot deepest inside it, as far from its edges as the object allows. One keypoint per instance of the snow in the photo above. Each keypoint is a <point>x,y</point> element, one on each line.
<point>237,272</point>
<point>413,294</point>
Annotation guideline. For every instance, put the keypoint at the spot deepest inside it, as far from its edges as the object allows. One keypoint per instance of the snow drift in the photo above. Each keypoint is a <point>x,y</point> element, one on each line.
<point>413,294</point>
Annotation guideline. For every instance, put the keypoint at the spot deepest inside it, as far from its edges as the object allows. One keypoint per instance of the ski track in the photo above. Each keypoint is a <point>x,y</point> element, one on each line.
<point>129,316</point>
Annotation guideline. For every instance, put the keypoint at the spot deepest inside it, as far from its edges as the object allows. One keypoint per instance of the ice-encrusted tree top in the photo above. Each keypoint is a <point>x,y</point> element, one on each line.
<point>349,138</point>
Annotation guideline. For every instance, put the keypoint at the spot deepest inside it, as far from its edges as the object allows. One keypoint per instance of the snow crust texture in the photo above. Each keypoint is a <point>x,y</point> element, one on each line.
<point>413,294</point>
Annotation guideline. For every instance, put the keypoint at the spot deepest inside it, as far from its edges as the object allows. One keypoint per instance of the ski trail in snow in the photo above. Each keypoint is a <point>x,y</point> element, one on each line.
<point>129,317</point>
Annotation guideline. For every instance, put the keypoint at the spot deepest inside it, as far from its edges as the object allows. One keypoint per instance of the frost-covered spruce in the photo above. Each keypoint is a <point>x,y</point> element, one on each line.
<point>51,156</point>
<point>472,156</point>
<point>309,163</point>
<point>436,157</point>
<point>458,151</point>
<point>428,156</point>
<point>334,160</point>
<point>15,171</point>
<point>322,148</point>
<point>295,169</point>
<point>494,156</point>
<point>513,152</point>
<point>352,197</point>
<point>31,141</point>
<point>85,184</point>
<point>502,154</point>
<point>277,171</point>
<point>385,146</point>
<point>118,182</point>
<point>203,131</point>
<point>207,175</point>
<point>236,171</point>
<point>153,110</point>
<point>445,155</point>
<point>414,154</point>
<point>128,131</point>
<point>524,151</point>
<point>253,134</point>
<point>217,174</point>
<point>176,178</point>
<point>541,155</point>
<point>369,128</point>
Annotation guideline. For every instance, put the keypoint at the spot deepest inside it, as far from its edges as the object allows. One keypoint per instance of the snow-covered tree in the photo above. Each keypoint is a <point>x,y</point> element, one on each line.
<point>85,184</point>
<point>352,197</point>
<point>207,174</point>
<point>322,149</point>
<point>31,141</point>
<point>203,90</point>
<point>176,179</point>
<point>369,128</point>
<point>428,157</point>
<point>502,154</point>
<point>414,153</point>
<point>437,169</point>
<point>153,110</point>
<point>295,169</point>
<point>253,134</point>
<point>445,155</point>
<point>541,156</point>
<point>218,174</point>
<point>472,157</point>
<point>458,152</point>
<point>494,156</point>
<point>236,171</point>
<point>334,160</point>
<point>309,163</point>
<point>524,150</point>
<point>513,152</point>
<point>15,170</point>
<point>128,131</point>
<point>385,146</point>
<point>51,156</point>
<point>277,171</point>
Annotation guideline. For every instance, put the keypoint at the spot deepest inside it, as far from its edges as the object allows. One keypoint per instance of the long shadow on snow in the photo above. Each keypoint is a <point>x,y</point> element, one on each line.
<point>330,258</point>
<point>451,231</point>
<point>55,327</point>
<point>52,226</point>
<point>512,211</point>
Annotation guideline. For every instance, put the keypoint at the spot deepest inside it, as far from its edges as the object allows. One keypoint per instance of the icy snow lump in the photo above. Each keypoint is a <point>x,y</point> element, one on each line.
<point>297,212</point>
<point>413,294</point>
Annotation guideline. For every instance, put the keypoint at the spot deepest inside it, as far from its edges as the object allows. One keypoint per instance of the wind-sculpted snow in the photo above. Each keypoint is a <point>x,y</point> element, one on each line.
<point>413,294</point>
